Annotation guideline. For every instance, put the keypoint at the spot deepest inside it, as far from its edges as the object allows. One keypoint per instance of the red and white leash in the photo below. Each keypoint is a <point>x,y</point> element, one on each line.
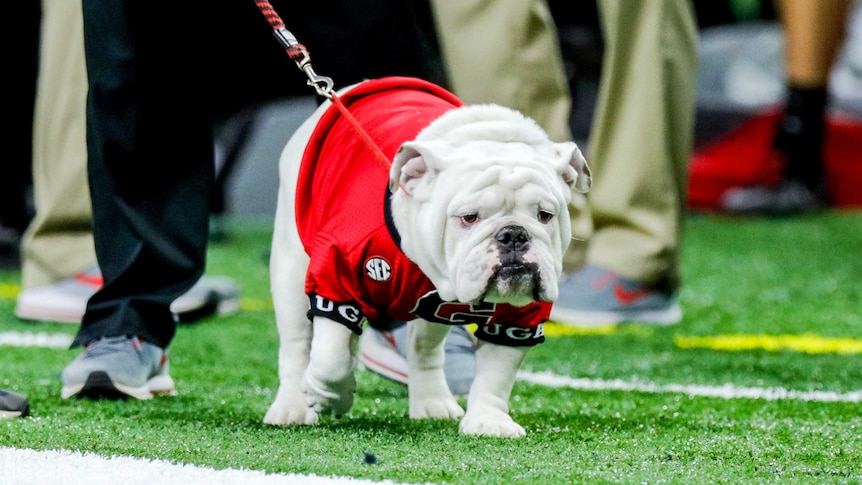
<point>322,84</point>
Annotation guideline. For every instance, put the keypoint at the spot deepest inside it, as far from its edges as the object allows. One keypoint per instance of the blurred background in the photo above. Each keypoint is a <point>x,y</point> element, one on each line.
<point>263,97</point>
<point>740,78</point>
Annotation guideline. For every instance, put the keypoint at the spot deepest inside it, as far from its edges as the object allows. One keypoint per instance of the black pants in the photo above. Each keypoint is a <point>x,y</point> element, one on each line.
<point>150,150</point>
<point>22,60</point>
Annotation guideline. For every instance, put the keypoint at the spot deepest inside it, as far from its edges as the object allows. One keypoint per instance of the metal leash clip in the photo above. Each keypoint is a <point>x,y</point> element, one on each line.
<point>321,84</point>
<point>297,52</point>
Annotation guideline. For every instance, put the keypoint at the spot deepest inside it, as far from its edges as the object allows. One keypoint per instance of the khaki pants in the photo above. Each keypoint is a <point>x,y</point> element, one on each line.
<point>59,240</point>
<point>641,137</point>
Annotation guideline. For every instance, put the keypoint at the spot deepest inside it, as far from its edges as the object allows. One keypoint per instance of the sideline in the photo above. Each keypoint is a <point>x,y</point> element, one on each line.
<point>38,339</point>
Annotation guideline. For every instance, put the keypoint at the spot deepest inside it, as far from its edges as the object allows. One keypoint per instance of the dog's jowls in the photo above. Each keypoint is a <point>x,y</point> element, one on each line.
<point>471,229</point>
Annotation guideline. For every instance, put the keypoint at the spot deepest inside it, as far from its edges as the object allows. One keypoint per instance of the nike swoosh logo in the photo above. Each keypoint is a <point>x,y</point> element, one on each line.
<point>627,297</point>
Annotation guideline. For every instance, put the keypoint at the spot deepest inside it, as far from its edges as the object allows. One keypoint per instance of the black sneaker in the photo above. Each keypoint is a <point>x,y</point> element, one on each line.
<point>384,352</point>
<point>789,197</point>
<point>13,405</point>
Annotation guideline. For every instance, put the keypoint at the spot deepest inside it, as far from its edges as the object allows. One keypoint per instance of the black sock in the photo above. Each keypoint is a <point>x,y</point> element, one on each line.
<point>800,135</point>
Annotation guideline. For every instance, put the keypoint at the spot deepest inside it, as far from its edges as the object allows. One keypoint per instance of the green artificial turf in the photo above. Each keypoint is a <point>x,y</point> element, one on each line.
<point>799,277</point>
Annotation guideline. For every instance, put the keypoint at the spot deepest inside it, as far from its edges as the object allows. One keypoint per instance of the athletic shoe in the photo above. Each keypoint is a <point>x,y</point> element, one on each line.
<point>118,368</point>
<point>13,405</point>
<point>595,296</point>
<point>788,197</point>
<point>210,295</point>
<point>66,300</point>
<point>384,353</point>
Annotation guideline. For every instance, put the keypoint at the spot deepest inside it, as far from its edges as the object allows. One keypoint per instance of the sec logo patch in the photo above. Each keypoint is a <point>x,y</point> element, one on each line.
<point>378,269</point>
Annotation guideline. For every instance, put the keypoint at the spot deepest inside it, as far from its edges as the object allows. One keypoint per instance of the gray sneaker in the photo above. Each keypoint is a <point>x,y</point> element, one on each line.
<point>13,405</point>
<point>595,296</point>
<point>384,353</point>
<point>118,368</point>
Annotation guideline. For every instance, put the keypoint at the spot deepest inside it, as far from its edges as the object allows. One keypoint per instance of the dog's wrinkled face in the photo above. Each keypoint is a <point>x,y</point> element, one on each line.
<point>481,201</point>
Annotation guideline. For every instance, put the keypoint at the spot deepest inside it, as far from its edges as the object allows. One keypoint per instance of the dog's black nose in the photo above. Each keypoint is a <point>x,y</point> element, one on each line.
<point>513,241</point>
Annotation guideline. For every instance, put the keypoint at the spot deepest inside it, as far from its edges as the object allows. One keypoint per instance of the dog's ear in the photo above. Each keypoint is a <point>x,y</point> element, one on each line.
<point>407,165</point>
<point>576,173</point>
<point>411,164</point>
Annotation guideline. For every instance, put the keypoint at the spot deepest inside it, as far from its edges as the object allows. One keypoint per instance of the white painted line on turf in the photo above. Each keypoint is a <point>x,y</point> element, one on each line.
<point>726,391</point>
<point>40,339</point>
<point>72,468</point>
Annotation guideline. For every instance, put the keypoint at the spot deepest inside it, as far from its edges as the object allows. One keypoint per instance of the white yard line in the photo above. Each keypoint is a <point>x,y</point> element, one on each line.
<point>40,339</point>
<point>726,391</point>
<point>73,468</point>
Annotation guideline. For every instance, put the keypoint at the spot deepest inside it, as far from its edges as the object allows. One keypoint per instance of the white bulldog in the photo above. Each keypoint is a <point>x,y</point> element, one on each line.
<point>469,225</point>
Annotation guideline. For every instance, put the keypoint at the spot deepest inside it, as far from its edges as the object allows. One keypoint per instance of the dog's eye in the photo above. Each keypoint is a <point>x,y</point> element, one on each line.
<point>545,217</point>
<point>469,219</point>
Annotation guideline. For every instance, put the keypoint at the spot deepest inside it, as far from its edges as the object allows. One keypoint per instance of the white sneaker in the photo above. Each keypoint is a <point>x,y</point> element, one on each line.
<point>63,301</point>
<point>384,352</point>
<point>66,300</point>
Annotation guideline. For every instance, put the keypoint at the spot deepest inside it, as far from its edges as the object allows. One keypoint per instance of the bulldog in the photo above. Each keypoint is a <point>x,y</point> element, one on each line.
<point>467,226</point>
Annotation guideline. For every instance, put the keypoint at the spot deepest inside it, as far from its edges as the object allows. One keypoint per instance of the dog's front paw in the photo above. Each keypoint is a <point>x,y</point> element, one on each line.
<point>490,422</point>
<point>334,397</point>
<point>290,408</point>
<point>435,408</point>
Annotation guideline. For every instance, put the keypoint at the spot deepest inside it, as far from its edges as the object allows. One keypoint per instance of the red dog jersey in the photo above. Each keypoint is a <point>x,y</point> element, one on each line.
<point>357,269</point>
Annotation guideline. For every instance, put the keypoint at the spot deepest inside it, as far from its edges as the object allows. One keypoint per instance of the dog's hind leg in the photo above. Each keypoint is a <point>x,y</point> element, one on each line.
<point>428,391</point>
<point>488,402</point>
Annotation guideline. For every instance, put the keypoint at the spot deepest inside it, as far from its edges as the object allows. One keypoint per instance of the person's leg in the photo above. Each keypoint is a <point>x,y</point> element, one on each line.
<point>58,242</point>
<point>21,65</point>
<point>813,31</point>
<point>150,155</point>
<point>150,167</point>
<point>813,34</point>
<point>642,136</point>
<point>641,141</point>
<point>506,52</point>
